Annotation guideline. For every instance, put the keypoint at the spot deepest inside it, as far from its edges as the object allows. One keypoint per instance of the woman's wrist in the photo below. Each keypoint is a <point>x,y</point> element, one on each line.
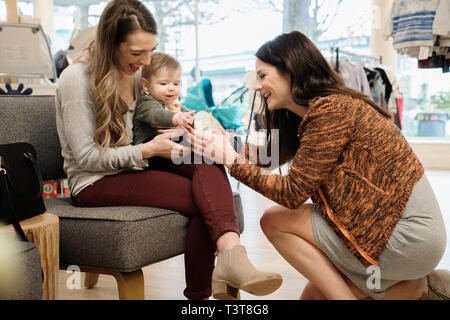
<point>147,150</point>
<point>229,163</point>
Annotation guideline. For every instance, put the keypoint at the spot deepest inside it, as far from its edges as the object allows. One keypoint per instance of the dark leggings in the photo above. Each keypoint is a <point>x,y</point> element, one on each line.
<point>199,191</point>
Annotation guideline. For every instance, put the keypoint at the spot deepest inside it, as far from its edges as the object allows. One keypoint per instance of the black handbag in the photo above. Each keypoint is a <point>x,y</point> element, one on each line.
<point>20,185</point>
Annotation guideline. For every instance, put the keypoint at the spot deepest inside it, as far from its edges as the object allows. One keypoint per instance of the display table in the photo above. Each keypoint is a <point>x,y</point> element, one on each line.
<point>43,230</point>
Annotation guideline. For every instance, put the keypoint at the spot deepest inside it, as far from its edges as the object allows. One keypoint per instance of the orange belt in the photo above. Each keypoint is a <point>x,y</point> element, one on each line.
<point>344,231</point>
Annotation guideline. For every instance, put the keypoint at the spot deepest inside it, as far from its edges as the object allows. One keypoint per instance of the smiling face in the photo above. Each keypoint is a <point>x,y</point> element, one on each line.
<point>274,87</point>
<point>135,51</point>
<point>164,85</point>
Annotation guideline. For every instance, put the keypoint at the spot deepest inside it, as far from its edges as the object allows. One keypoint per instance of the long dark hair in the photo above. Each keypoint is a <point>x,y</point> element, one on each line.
<point>311,76</point>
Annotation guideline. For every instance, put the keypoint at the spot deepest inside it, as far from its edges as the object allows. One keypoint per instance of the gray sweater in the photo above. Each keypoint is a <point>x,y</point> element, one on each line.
<point>75,121</point>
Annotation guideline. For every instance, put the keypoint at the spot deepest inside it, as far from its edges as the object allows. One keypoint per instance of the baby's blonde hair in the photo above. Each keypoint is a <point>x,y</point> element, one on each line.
<point>158,61</point>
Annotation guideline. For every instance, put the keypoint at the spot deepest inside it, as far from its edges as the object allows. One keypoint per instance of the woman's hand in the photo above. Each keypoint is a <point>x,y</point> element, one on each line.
<point>217,128</point>
<point>213,146</point>
<point>162,145</point>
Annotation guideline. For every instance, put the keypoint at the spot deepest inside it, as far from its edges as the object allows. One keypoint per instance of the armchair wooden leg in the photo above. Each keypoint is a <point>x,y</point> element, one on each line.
<point>90,279</point>
<point>130,284</point>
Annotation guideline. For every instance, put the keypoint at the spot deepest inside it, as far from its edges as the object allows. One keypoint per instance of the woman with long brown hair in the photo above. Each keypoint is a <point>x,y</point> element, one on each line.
<point>95,103</point>
<point>375,229</point>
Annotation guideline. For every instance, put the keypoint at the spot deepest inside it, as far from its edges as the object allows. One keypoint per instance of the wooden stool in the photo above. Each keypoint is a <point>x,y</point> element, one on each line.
<point>43,230</point>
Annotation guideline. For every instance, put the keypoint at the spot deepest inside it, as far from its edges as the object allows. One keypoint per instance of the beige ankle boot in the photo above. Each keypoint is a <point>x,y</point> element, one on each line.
<point>234,271</point>
<point>438,286</point>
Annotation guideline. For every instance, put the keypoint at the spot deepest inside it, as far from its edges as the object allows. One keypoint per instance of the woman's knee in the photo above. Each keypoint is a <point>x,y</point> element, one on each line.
<point>287,220</point>
<point>268,220</point>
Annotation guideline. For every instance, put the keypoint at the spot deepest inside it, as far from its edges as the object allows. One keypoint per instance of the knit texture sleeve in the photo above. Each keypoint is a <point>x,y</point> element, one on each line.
<point>326,129</point>
<point>256,154</point>
<point>152,112</point>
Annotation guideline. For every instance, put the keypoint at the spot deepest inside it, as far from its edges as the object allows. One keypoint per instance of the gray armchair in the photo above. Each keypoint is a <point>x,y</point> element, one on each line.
<point>119,241</point>
<point>25,282</point>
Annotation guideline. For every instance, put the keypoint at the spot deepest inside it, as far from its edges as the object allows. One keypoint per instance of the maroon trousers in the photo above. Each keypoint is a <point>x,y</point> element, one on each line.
<point>199,191</point>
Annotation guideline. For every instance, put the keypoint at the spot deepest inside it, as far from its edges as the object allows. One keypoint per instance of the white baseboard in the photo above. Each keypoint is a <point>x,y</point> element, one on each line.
<point>434,153</point>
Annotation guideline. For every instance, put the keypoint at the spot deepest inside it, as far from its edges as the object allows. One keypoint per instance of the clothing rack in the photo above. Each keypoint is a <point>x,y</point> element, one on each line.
<point>338,51</point>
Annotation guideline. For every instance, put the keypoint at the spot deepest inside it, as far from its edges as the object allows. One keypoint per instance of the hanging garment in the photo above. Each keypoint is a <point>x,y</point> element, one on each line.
<point>411,25</point>
<point>393,90</point>
<point>387,84</point>
<point>421,29</point>
<point>397,119</point>
<point>441,25</point>
<point>400,108</point>
<point>435,61</point>
<point>376,85</point>
<point>354,76</point>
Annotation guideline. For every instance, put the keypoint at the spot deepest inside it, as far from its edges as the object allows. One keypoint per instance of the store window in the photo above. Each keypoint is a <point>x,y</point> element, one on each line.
<point>230,31</point>
<point>69,20</point>
<point>23,7</point>
<point>426,92</point>
<point>64,24</point>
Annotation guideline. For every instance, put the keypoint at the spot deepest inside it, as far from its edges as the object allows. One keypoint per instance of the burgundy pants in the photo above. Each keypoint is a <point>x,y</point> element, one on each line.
<point>199,191</point>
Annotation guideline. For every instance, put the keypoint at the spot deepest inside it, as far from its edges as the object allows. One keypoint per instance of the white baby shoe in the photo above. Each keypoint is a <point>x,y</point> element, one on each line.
<point>202,121</point>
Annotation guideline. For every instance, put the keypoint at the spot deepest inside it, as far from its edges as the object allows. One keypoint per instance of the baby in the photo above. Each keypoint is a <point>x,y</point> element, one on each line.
<point>159,106</point>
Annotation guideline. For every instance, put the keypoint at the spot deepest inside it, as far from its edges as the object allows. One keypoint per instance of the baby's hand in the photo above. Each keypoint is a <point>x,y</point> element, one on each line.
<point>183,119</point>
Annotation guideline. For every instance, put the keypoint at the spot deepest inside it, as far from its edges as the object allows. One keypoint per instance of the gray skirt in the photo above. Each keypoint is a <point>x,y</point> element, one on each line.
<point>414,249</point>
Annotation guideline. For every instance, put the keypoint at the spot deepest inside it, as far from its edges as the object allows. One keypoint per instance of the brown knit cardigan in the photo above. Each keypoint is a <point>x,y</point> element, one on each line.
<point>356,164</point>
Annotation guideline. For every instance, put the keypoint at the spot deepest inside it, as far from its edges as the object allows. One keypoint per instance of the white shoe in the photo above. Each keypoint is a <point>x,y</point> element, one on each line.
<point>202,121</point>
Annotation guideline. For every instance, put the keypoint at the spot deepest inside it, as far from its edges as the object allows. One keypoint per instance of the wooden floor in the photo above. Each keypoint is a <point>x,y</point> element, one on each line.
<point>165,280</point>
